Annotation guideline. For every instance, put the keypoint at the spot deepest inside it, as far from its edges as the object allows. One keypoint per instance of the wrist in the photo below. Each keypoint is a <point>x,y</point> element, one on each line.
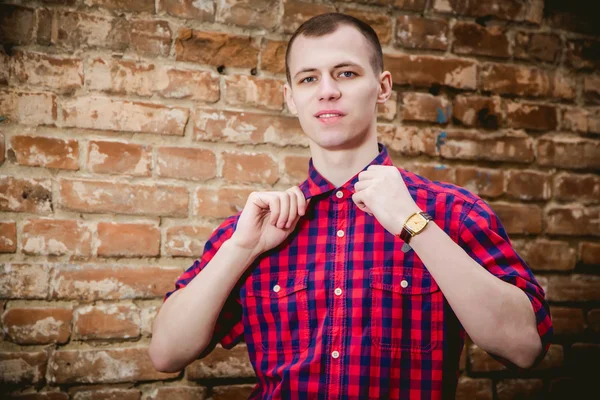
<point>238,248</point>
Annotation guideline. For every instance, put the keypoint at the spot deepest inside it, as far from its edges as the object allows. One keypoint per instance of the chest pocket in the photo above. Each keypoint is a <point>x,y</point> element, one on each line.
<point>407,309</point>
<point>277,313</point>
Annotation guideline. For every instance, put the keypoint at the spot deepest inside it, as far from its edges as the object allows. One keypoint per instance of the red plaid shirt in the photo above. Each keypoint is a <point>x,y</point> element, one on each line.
<point>341,311</point>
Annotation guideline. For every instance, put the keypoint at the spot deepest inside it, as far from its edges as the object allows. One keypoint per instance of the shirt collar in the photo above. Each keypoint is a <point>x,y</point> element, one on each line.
<point>316,184</point>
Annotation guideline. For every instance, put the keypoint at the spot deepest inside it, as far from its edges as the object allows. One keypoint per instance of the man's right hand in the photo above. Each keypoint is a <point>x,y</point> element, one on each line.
<point>268,218</point>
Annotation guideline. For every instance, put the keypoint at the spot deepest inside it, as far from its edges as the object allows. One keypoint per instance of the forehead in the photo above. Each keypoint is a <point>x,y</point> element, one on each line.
<point>345,44</point>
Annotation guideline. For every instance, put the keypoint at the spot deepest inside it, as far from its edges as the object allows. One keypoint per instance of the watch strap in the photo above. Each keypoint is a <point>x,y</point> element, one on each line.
<point>406,234</point>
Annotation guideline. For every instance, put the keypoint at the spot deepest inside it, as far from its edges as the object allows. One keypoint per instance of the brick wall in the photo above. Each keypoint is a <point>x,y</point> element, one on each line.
<point>130,129</point>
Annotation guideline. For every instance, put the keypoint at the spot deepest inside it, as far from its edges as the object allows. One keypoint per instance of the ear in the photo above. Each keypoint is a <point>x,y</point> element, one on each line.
<point>287,93</point>
<point>385,87</point>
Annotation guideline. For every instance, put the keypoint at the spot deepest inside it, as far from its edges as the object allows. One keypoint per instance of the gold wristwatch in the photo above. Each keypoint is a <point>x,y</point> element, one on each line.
<point>414,225</point>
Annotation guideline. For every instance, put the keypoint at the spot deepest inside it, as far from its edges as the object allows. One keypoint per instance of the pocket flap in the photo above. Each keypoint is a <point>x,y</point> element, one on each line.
<point>276,288</point>
<point>402,280</point>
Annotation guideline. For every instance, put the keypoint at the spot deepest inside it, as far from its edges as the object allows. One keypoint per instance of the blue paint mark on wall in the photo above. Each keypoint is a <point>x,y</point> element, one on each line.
<point>440,140</point>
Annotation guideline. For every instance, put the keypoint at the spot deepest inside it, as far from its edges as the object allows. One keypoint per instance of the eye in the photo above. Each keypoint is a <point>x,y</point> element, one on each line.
<point>308,77</point>
<point>347,72</point>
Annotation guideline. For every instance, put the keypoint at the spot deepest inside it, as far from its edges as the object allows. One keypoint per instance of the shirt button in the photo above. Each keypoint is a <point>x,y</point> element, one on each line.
<point>276,288</point>
<point>337,291</point>
<point>404,283</point>
<point>335,354</point>
<point>340,233</point>
<point>339,194</point>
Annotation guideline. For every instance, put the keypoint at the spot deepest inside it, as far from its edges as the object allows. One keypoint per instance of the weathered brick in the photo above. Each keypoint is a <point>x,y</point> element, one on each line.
<point>186,163</point>
<point>296,167</point>
<point>106,321</point>
<point>425,107</point>
<point>594,121</point>
<point>573,220</point>
<point>547,255</point>
<point>593,319</point>
<point>24,281</point>
<point>578,188</point>
<point>222,363</point>
<point>25,195</point>
<point>465,145</point>
<point>425,71</point>
<point>192,9</point>
<point>519,388</point>
<point>103,366</point>
<point>39,151</point>
<point>434,172</point>
<point>218,49</point>
<point>250,167</point>
<point>106,282</point>
<point>16,24</point>
<point>380,22</point>
<point>40,396</point>
<point>128,240</point>
<point>232,392</point>
<point>515,79</point>
<point>23,368</point>
<point>56,237</point>
<point>582,54</point>
<point>422,33</point>
<point>519,218</point>
<point>252,14</point>
<point>591,88</point>
<point>8,237</point>
<point>387,110</point>
<point>567,321</point>
<point>28,108</point>
<point>247,128</point>
<point>107,394</point>
<point>186,241</point>
<point>123,198</point>
<point>574,119</point>
<point>119,158</point>
<point>574,287</point>
<point>78,30</point>
<point>32,68</point>
<point>470,388</point>
<point>568,152</point>
<point>133,6</point>
<point>45,19</point>
<point>148,37</point>
<point>220,203</point>
<point>554,358</point>
<point>473,39</point>
<point>516,10</point>
<point>589,253</point>
<point>147,316</point>
<point>482,181</point>
<point>564,85</point>
<point>529,185</point>
<point>39,325</point>
<point>537,46</point>
<point>4,68</point>
<point>480,361</point>
<point>272,56</point>
<point>249,91</point>
<point>179,392</point>
<point>409,140</point>
<point>296,12</point>
<point>478,111</point>
<point>108,114</point>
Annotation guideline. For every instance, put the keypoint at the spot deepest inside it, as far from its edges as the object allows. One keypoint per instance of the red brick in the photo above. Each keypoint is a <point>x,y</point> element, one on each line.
<point>44,26</point>
<point>39,325</point>
<point>425,71</point>
<point>470,388</point>
<point>123,198</point>
<point>528,185</point>
<point>24,281</point>
<point>519,218</point>
<point>564,85</point>
<point>28,108</point>
<point>39,151</point>
<point>593,318</point>
<point>23,368</point>
<point>478,111</point>
<point>465,145</point>
<point>25,195</point>
<point>215,48</point>
<point>4,68</point>
<point>381,23</point>
<point>16,24</point>
<point>408,140</point>
<point>2,148</point>
<point>262,14</point>
<point>516,10</point>
<point>149,37</point>
<point>247,128</point>
<point>573,220</point>
<point>296,167</point>
<point>591,88</point>
<point>107,394</point>
<point>574,119</point>
<point>589,253</point>
<point>181,393</point>
<point>186,163</point>
<point>103,366</point>
<point>554,358</point>
<point>425,107</point>
<point>78,30</point>
<point>416,32</point>
<point>107,321</point>
<point>232,392</point>
<point>480,361</point>
<point>434,172</point>
<point>191,9</point>
<point>578,188</point>
<point>62,73</point>
<point>574,287</point>
<point>272,56</point>
<point>296,12</point>
<point>567,321</point>
<point>128,240</point>
<point>119,158</point>
<point>56,237</point>
<point>481,181</point>
<point>515,79</point>
<point>147,316</point>
<point>250,167</point>
<point>568,152</point>
<point>8,237</point>
<point>41,396</point>
<point>387,110</point>
<point>547,255</point>
<point>520,388</point>
<point>125,5</point>
<point>107,114</point>
<point>105,282</point>
<point>537,46</point>
<point>222,363</point>
<point>582,54</point>
<point>186,241</point>
<point>220,203</point>
<point>474,39</point>
<point>249,91</point>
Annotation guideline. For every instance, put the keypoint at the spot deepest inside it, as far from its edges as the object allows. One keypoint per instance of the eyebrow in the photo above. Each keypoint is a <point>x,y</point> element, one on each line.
<point>340,65</point>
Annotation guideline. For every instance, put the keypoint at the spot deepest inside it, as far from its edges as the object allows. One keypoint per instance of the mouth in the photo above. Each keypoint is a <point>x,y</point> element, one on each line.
<point>329,117</point>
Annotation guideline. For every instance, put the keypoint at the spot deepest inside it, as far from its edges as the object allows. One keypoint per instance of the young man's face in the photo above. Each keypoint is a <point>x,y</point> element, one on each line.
<point>334,73</point>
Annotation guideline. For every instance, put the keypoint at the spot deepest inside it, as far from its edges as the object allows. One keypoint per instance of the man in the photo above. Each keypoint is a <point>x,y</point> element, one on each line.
<point>361,282</point>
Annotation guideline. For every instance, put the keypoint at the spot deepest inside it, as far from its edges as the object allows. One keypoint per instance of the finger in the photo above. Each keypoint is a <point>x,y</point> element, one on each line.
<point>275,207</point>
<point>284,201</point>
<point>366,175</point>
<point>293,212</point>
<point>361,185</point>
<point>302,203</point>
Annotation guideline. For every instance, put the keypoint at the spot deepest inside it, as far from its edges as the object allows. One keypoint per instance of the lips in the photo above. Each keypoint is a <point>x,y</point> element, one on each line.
<point>329,114</point>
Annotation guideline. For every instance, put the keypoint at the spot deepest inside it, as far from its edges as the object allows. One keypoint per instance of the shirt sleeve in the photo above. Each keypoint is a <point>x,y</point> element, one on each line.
<point>484,238</point>
<point>228,328</point>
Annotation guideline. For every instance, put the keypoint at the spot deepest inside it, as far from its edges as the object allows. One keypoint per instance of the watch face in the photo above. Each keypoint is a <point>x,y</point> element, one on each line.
<point>417,223</point>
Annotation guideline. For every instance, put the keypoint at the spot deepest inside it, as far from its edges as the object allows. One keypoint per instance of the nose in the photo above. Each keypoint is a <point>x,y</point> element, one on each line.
<point>328,89</point>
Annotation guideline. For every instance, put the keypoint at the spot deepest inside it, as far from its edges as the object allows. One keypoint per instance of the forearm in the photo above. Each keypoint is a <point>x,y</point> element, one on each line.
<point>185,322</point>
<point>497,316</point>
